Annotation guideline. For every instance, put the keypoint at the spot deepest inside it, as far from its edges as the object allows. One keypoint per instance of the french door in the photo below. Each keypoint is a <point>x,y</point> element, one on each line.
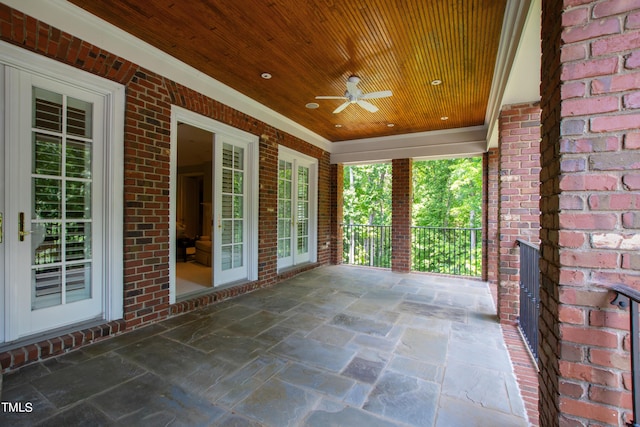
<point>230,211</point>
<point>296,208</point>
<point>234,215</point>
<point>52,218</point>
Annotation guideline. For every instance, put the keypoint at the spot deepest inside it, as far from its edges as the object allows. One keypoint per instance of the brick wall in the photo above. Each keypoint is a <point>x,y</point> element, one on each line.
<point>491,174</point>
<point>402,200</point>
<point>590,207</point>
<point>149,97</point>
<point>268,211</point>
<point>518,198</point>
<point>326,219</point>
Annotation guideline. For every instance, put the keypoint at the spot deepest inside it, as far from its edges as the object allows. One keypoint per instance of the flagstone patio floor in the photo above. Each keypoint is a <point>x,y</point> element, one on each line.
<point>334,346</point>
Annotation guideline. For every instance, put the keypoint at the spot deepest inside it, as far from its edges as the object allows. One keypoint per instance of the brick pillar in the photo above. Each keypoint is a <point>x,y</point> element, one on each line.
<point>590,203</point>
<point>402,200</point>
<point>337,215</point>
<point>492,170</point>
<point>518,199</point>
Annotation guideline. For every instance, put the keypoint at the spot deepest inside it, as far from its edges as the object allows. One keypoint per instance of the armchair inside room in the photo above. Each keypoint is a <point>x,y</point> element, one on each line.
<point>181,231</point>
<point>203,250</point>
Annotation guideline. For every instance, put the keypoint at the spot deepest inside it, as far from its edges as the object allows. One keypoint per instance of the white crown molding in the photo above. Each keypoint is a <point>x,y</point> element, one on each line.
<point>80,23</point>
<point>513,25</point>
<point>448,143</point>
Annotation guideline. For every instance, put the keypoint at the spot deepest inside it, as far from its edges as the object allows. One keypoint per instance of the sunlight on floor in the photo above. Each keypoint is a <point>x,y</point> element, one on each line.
<point>192,276</point>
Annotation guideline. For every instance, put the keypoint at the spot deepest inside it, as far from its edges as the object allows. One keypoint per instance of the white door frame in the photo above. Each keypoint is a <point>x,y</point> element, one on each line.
<point>114,105</point>
<point>182,115</point>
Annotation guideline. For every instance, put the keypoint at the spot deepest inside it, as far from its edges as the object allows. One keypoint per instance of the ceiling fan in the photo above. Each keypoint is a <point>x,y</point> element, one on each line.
<point>354,95</point>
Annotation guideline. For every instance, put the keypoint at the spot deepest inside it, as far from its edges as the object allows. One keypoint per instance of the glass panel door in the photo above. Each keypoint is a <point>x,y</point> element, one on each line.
<point>296,209</point>
<point>302,215</point>
<point>285,214</point>
<point>230,194</point>
<point>54,163</point>
<point>61,211</point>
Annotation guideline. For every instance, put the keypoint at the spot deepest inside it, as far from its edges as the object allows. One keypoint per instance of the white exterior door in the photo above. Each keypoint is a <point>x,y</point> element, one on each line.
<point>297,212</point>
<point>53,159</point>
<point>230,211</point>
<point>234,212</point>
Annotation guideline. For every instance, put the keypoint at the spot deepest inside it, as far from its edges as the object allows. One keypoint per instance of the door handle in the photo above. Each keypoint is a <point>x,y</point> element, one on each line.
<point>1,214</point>
<point>21,232</point>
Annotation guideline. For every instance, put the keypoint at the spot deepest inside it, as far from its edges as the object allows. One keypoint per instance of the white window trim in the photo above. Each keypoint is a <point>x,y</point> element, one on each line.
<point>113,190</point>
<point>182,115</point>
<point>288,154</point>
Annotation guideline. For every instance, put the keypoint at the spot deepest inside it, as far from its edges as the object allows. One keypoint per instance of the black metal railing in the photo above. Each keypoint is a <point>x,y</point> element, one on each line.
<point>368,245</point>
<point>455,251</point>
<point>627,297</point>
<point>529,294</point>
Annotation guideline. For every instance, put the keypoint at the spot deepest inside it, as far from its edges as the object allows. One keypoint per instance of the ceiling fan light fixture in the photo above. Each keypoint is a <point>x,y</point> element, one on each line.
<point>354,95</point>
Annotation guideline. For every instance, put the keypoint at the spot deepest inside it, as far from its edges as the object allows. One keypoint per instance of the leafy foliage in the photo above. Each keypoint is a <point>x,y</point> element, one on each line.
<point>447,203</point>
<point>447,193</point>
<point>367,194</point>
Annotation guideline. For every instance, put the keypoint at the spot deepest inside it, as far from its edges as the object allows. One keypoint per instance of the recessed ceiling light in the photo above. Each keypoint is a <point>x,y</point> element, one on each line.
<point>390,125</point>
<point>444,118</point>
<point>266,76</point>
<point>436,82</point>
<point>312,105</point>
<point>338,125</point>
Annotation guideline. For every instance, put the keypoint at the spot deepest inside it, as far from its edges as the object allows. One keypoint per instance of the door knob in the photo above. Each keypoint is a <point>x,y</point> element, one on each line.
<point>21,231</point>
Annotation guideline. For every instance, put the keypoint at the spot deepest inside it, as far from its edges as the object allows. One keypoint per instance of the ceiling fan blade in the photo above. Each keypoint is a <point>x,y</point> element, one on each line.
<point>331,97</point>
<point>380,94</point>
<point>367,106</point>
<point>341,107</point>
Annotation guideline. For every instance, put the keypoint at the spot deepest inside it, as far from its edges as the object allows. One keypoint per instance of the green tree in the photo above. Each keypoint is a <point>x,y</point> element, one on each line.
<point>447,193</point>
<point>367,194</point>
<point>447,196</point>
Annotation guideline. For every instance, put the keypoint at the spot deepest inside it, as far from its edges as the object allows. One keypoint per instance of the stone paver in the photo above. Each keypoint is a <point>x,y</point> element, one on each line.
<point>337,345</point>
<point>406,399</point>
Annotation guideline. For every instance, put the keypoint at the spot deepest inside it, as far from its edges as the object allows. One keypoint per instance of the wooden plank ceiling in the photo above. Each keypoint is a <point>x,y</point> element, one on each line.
<point>311,47</point>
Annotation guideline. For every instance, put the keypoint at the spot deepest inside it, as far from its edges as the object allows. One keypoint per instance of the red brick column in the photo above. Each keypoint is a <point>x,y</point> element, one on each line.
<point>518,199</point>
<point>337,213</point>
<point>402,199</point>
<point>491,167</point>
<point>590,188</point>
<point>325,210</point>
